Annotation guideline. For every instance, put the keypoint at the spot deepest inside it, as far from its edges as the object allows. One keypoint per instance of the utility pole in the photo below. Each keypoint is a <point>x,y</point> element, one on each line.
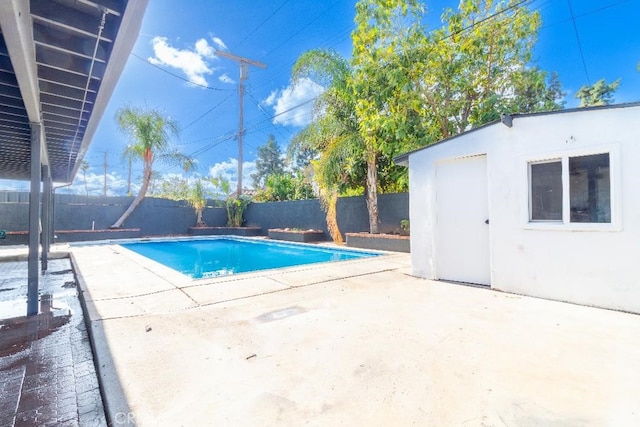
<point>244,75</point>
<point>129,180</point>
<point>105,175</point>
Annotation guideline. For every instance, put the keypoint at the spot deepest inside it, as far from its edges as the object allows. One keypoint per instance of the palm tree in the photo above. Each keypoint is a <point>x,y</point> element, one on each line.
<point>150,132</point>
<point>197,198</point>
<point>334,132</point>
<point>85,167</point>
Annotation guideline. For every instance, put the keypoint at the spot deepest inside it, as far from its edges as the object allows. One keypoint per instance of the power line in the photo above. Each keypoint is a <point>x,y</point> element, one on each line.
<point>208,111</point>
<point>575,28</point>
<point>582,15</point>
<point>262,23</point>
<point>303,27</point>
<point>178,76</point>
<point>483,20</point>
<point>265,113</point>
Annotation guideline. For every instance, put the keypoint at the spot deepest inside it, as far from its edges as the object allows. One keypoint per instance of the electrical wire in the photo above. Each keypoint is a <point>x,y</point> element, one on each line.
<point>575,28</point>
<point>262,23</point>
<point>209,111</point>
<point>178,76</point>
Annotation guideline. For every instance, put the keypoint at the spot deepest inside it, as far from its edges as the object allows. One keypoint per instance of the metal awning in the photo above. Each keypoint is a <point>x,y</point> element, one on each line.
<point>59,63</point>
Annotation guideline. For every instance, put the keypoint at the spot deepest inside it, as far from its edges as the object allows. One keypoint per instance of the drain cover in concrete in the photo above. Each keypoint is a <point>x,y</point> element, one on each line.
<point>280,314</point>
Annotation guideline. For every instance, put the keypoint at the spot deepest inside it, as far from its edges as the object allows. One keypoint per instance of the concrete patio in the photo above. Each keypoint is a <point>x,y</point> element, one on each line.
<point>356,342</point>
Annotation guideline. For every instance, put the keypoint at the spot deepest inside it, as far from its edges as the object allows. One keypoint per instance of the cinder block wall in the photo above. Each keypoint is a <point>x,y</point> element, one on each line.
<point>157,217</point>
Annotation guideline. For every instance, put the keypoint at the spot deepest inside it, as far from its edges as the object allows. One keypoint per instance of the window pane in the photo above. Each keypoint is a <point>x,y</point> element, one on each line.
<point>590,188</point>
<point>546,191</point>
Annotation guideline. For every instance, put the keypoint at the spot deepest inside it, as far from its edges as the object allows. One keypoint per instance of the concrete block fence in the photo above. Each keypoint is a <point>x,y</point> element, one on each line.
<point>162,217</point>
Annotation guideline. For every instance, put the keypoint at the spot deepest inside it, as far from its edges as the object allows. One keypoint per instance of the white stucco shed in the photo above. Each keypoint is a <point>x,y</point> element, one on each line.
<point>544,204</point>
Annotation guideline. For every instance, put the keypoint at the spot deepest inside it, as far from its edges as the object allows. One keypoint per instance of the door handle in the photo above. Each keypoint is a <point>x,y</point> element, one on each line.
<point>486,221</point>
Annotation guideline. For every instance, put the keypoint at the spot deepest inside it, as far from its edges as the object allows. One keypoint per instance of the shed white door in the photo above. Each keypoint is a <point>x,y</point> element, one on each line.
<point>462,211</point>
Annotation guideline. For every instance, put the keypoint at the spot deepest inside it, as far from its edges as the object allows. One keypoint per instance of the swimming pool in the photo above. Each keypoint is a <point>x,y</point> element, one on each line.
<point>215,257</point>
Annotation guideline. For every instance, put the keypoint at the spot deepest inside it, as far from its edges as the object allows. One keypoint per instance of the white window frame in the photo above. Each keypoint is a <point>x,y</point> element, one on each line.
<point>565,224</point>
<point>529,193</point>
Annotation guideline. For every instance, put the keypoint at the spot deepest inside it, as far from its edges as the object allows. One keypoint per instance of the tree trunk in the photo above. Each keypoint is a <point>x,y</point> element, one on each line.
<point>372,192</point>
<point>199,221</point>
<point>329,201</point>
<point>143,191</point>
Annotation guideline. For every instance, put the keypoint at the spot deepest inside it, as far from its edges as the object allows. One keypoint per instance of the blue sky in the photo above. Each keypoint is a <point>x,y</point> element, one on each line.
<point>178,39</point>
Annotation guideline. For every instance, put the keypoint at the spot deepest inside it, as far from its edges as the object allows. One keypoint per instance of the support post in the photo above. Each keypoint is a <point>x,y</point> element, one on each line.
<point>46,216</point>
<point>34,219</point>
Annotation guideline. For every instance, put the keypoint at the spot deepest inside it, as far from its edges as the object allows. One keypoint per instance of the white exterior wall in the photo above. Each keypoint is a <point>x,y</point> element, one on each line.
<point>591,264</point>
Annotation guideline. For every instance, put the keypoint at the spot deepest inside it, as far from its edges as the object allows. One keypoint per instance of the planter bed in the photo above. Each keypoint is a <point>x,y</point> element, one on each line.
<point>15,238</point>
<point>300,236</point>
<point>217,231</point>
<point>382,242</point>
<point>63,236</point>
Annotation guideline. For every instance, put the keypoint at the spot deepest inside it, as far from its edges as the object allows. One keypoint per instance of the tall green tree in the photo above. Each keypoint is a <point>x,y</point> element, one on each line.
<point>415,87</point>
<point>385,31</point>
<point>600,93</point>
<point>535,90</point>
<point>269,161</point>
<point>149,133</point>
<point>406,87</point>
<point>474,66</point>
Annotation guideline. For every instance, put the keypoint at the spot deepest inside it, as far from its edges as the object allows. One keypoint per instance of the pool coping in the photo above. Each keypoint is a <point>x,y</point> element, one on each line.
<point>181,277</point>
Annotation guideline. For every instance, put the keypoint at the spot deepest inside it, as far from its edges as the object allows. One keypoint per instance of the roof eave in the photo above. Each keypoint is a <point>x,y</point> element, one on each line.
<point>15,20</point>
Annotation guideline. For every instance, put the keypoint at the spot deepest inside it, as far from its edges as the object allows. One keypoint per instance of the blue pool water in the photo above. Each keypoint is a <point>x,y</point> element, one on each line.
<point>226,256</point>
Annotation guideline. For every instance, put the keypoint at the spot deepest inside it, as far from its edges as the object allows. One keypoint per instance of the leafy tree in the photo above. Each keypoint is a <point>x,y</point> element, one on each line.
<point>300,155</point>
<point>268,161</point>
<point>173,187</point>
<point>193,192</point>
<point>285,186</point>
<point>534,90</point>
<point>85,167</point>
<point>600,93</point>
<point>405,87</point>
<point>149,132</point>
<point>474,67</point>
<point>384,29</point>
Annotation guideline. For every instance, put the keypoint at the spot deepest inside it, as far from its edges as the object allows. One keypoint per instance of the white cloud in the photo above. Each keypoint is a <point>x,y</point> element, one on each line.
<point>271,99</point>
<point>203,48</point>
<point>219,43</point>
<point>226,79</point>
<point>11,185</point>
<point>192,62</point>
<point>229,170</point>
<point>116,185</point>
<point>293,105</point>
